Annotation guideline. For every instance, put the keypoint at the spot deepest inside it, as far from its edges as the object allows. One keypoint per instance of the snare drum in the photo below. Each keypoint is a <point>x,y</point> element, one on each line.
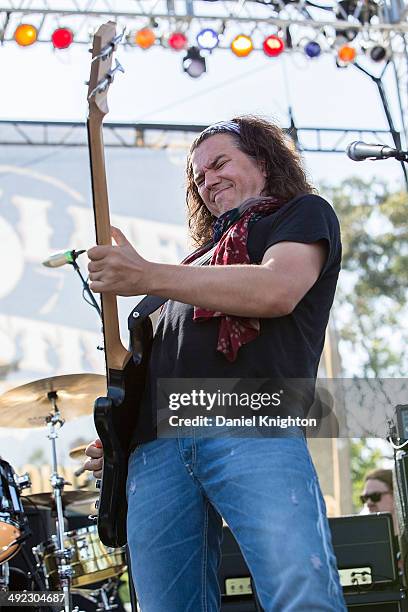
<point>11,513</point>
<point>91,561</point>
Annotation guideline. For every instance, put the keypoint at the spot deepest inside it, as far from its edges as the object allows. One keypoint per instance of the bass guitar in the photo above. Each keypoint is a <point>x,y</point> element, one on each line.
<point>114,414</point>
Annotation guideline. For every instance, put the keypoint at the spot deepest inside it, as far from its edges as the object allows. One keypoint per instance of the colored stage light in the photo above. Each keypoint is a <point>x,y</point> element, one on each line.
<point>242,45</point>
<point>207,39</point>
<point>145,38</point>
<point>273,46</point>
<point>346,54</point>
<point>313,49</point>
<point>194,63</point>
<point>378,53</point>
<point>177,41</point>
<point>62,38</point>
<point>25,34</point>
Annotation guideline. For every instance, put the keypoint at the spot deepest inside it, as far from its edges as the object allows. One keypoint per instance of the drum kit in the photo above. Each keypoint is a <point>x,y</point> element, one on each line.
<point>68,561</point>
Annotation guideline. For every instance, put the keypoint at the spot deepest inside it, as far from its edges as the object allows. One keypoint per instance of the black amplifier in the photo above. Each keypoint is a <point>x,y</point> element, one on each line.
<point>365,548</point>
<point>366,554</point>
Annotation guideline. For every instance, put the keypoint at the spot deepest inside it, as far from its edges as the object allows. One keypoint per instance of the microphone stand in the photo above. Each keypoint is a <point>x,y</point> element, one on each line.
<point>395,134</point>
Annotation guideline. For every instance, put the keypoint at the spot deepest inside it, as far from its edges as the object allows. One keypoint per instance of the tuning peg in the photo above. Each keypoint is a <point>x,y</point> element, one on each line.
<point>118,68</point>
<point>110,75</point>
<point>110,47</point>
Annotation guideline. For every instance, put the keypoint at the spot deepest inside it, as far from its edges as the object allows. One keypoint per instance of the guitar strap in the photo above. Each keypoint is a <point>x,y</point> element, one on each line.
<point>151,303</point>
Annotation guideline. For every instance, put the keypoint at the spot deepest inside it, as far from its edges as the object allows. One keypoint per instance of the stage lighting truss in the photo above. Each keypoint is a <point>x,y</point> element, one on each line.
<point>375,29</point>
<point>325,22</point>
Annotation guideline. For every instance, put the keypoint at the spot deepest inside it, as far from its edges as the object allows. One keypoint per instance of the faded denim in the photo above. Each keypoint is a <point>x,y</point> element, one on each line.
<point>267,491</point>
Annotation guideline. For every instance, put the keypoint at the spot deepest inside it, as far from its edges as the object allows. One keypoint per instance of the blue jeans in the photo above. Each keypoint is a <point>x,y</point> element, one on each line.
<point>267,491</point>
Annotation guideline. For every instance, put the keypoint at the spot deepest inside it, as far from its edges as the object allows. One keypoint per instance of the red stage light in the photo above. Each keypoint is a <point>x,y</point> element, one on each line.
<point>177,41</point>
<point>62,38</point>
<point>273,46</point>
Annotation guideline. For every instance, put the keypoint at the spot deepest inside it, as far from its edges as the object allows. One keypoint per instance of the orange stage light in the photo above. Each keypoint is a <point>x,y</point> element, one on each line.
<point>346,53</point>
<point>145,38</point>
<point>25,34</point>
<point>242,45</point>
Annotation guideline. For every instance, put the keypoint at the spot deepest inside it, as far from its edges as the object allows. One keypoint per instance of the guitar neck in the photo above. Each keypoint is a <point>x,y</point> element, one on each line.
<point>116,355</point>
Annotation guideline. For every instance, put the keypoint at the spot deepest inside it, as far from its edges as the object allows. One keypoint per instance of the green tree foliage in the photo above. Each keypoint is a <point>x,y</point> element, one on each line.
<point>364,457</point>
<point>372,296</point>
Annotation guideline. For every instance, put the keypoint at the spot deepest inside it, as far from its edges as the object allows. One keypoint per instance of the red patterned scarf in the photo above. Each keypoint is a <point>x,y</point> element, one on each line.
<point>231,232</point>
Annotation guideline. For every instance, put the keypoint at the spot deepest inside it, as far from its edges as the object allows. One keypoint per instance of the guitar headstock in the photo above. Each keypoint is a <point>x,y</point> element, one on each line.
<point>104,44</point>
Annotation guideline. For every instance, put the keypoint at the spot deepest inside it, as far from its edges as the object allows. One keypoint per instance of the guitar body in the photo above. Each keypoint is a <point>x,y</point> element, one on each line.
<point>115,417</point>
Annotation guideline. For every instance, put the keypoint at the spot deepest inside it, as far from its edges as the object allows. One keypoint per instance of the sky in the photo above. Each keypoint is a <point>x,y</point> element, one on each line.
<point>43,84</point>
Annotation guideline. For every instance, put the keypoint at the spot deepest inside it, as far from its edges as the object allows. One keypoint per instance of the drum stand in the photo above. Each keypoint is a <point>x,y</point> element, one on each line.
<point>63,555</point>
<point>104,596</point>
<point>4,576</point>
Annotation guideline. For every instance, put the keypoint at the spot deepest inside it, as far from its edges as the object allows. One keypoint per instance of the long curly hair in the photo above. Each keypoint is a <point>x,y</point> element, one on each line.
<point>267,144</point>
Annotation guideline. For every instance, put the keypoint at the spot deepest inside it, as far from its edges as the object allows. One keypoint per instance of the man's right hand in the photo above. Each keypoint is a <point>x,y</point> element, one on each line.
<point>95,463</point>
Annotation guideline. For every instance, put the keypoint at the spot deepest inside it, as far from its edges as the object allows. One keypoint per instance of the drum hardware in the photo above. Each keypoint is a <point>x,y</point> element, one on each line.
<point>28,406</point>
<point>89,560</point>
<point>14,527</point>
<point>4,576</point>
<point>70,560</point>
<point>23,481</point>
<point>13,522</point>
<point>70,499</point>
<point>104,596</point>
<point>55,421</point>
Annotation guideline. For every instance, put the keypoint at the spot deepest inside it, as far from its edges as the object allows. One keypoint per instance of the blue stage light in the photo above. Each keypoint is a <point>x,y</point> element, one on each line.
<point>312,49</point>
<point>207,39</point>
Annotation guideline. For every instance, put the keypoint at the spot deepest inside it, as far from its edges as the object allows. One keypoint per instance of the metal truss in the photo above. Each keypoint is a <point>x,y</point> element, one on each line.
<point>167,135</point>
<point>322,19</point>
<point>365,23</point>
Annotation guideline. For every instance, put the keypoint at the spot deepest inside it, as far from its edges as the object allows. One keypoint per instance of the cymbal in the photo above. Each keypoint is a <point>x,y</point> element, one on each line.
<point>69,498</point>
<point>78,452</point>
<point>29,405</point>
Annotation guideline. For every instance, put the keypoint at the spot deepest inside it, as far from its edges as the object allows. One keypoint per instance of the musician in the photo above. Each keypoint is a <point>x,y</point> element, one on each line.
<point>259,310</point>
<point>378,494</point>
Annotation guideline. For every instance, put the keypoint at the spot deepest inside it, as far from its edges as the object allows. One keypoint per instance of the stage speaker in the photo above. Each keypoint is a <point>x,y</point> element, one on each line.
<point>400,485</point>
<point>377,601</point>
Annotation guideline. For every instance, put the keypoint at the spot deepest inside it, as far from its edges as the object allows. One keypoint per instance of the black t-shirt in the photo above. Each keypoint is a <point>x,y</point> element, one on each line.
<point>287,347</point>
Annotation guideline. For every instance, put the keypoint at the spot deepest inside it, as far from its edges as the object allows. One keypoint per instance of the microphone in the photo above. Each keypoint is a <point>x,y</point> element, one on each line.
<point>359,151</point>
<point>60,259</point>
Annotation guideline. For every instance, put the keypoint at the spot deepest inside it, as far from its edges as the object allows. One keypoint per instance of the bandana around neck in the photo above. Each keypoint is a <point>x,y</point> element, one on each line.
<point>230,230</point>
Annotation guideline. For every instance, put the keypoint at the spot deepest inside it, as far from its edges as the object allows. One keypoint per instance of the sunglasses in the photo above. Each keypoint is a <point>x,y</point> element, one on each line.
<point>375,497</point>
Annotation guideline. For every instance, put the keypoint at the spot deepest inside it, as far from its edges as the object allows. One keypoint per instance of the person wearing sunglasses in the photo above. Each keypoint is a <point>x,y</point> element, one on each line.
<point>378,493</point>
